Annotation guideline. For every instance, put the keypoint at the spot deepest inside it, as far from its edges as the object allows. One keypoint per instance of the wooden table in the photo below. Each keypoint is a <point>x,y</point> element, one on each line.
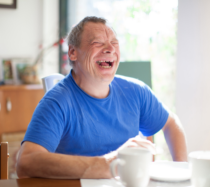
<point>38,182</point>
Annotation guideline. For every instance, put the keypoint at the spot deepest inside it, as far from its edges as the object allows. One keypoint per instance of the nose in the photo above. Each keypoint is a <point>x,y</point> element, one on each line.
<point>109,48</point>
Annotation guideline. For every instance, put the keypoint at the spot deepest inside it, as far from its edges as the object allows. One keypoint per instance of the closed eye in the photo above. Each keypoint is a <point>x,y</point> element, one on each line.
<point>115,42</point>
<point>97,43</point>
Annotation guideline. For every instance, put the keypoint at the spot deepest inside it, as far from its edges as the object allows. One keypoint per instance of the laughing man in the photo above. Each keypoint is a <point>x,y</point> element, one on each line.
<point>91,113</point>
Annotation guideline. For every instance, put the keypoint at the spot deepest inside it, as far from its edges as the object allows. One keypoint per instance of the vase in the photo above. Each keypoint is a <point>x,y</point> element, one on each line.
<point>29,75</point>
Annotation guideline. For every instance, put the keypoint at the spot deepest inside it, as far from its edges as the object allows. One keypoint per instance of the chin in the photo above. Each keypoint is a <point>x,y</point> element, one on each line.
<point>107,78</point>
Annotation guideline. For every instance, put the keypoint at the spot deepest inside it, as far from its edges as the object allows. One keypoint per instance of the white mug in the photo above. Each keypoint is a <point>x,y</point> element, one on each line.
<point>200,167</point>
<point>133,166</point>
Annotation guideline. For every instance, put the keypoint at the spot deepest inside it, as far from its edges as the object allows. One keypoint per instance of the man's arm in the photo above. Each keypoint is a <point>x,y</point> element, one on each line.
<point>35,161</point>
<point>175,138</point>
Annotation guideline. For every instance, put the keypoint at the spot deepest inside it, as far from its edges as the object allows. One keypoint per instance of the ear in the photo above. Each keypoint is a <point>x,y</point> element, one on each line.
<point>72,53</point>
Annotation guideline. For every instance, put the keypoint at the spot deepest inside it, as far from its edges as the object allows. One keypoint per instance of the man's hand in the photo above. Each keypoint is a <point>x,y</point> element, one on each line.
<point>139,142</point>
<point>175,138</point>
<point>132,142</point>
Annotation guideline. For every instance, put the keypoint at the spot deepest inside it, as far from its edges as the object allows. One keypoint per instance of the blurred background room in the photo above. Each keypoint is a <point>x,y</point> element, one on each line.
<point>172,36</point>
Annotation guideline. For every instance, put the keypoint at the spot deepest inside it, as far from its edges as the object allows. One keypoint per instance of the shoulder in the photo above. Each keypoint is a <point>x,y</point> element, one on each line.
<point>133,87</point>
<point>124,81</point>
<point>60,93</point>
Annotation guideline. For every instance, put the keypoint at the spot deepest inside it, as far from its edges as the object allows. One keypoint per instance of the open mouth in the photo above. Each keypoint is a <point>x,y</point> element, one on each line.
<point>105,64</point>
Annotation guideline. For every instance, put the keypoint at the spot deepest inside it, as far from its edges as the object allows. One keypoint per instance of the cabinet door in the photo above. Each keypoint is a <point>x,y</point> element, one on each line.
<point>27,101</point>
<point>1,113</point>
<point>17,106</point>
<point>9,111</point>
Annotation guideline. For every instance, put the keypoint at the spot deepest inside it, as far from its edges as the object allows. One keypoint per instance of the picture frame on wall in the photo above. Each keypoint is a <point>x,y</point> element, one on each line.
<point>7,71</point>
<point>11,69</point>
<point>1,73</point>
<point>8,4</point>
<point>18,65</point>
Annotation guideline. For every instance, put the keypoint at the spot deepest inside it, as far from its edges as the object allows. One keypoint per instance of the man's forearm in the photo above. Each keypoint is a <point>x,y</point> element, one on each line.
<point>175,138</point>
<point>51,165</point>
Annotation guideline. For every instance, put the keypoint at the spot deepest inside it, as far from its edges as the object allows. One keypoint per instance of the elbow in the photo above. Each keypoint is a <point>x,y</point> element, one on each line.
<point>21,168</point>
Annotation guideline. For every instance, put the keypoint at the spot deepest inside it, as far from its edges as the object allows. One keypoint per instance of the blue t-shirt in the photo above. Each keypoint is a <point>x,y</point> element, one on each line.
<point>67,120</point>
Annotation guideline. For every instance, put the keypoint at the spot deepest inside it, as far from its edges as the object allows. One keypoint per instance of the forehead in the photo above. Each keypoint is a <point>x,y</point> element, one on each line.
<point>97,30</point>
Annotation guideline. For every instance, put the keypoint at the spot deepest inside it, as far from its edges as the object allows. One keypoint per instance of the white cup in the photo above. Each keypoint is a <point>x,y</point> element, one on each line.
<point>200,167</point>
<point>133,167</point>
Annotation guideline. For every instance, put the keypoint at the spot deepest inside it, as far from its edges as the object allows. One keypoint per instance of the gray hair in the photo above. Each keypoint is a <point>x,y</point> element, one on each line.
<point>74,37</point>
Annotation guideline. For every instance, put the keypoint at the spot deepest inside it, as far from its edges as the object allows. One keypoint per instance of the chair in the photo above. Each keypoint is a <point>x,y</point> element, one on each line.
<point>4,155</point>
<point>49,81</point>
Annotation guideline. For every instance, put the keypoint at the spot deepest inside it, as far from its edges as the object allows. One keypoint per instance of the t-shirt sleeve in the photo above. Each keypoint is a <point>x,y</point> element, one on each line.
<point>46,126</point>
<point>153,115</point>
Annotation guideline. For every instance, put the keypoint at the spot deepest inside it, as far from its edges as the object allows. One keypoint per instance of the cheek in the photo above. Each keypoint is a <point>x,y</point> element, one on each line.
<point>118,50</point>
<point>118,54</point>
<point>89,59</point>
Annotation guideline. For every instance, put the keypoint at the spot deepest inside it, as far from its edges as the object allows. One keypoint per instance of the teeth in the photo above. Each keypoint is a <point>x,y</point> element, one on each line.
<point>100,61</point>
<point>106,67</point>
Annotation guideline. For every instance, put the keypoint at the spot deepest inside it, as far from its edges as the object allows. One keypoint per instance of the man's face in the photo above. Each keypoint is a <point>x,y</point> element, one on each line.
<point>97,57</point>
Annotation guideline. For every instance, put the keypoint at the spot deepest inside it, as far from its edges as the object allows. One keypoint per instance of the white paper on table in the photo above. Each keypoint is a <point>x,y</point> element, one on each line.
<point>100,183</point>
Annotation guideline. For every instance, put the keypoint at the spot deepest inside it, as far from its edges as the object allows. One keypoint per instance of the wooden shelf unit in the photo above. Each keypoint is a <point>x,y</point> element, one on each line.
<point>17,104</point>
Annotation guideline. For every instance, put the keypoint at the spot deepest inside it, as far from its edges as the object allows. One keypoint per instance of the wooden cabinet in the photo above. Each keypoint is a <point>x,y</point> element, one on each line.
<point>17,104</point>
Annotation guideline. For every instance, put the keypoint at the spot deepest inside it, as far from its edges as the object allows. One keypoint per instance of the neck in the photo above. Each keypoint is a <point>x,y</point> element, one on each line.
<point>95,89</point>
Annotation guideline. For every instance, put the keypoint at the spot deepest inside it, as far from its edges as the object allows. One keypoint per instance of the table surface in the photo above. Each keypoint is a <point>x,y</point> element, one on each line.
<point>34,182</point>
<point>38,182</point>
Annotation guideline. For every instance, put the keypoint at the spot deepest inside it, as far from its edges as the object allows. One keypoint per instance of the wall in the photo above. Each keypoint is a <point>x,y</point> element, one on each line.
<point>193,67</point>
<point>24,29</point>
<point>50,33</point>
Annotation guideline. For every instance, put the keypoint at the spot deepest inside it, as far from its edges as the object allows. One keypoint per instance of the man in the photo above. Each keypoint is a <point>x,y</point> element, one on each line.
<point>84,119</point>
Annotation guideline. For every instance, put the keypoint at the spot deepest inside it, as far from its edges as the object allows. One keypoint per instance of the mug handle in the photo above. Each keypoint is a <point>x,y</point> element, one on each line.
<point>113,167</point>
